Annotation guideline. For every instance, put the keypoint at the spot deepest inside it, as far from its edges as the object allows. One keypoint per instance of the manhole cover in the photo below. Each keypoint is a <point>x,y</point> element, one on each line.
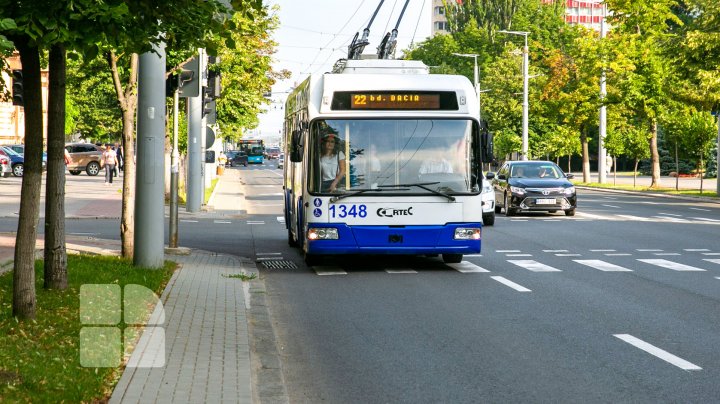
<point>279,264</point>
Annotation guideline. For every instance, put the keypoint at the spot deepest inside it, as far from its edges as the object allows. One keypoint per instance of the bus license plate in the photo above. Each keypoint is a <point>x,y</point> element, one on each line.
<point>545,201</point>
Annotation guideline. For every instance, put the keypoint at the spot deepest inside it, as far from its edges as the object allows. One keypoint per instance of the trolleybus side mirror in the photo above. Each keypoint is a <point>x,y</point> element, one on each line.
<point>296,147</point>
<point>486,142</point>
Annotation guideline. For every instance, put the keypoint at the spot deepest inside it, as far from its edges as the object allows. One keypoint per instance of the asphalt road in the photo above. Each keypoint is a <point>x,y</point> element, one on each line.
<point>617,304</point>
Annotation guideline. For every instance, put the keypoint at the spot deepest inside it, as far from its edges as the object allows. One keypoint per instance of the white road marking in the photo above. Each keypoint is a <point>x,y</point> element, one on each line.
<point>603,266</point>
<point>329,270</point>
<point>631,217</point>
<point>568,255</point>
<point>518,220</point>
<point>695,249</point>
<point>281,219</point>
<point>661,254</point>
<point>704,210</point>
<point>647,249</point>
<point>518,255</point>
<point>255,222</point>
<point>551,220</point>
<point>617,254</point>
<point>401,271</point>
<point>534,266</point>
<point>511,284</point>
<point>473,255</point>
<point>272,253</point>
<point>507,251</point>
<point>660,353</point>
<point>612,206</point>
<point>670,265</point>
<point>268,258</point>
<point>670,214</point>
<point>591,216</point>
<point>611,250</point>
<point>188,221</point>
<point>713,260</point>
<point>710,253</point>
<point>222,221</point>
<point>467,267</point>
<point>706,219</point>
<point>673,219</point>
<point>555,251</point>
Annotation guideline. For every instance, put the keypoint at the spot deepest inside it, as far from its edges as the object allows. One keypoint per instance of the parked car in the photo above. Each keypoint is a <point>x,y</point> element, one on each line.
<point>5,166</point>
<point>17,161</point>
<point>488,203</point>
<point>533,186</point>
<point>281,160</point>
<point>20,149</point>
<point>239,158</point>
<point>84,157</point>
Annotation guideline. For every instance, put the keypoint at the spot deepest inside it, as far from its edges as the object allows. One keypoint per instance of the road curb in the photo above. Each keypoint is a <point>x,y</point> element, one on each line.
<point>651,193</point>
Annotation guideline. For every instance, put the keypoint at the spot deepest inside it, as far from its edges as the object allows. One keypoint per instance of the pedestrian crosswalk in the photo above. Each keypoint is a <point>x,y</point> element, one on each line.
<point>536,266</point>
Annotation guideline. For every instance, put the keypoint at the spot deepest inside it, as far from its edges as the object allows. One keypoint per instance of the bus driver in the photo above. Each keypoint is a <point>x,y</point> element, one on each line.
<point>332,163</point>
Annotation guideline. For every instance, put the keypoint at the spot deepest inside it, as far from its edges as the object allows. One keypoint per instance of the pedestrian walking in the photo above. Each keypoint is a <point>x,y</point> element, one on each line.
<point>109,159</point>
<point>120,155</point>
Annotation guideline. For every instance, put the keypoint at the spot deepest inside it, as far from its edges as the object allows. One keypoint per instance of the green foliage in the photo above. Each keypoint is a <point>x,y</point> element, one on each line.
<point>506,142</point>
<point>246,73</point>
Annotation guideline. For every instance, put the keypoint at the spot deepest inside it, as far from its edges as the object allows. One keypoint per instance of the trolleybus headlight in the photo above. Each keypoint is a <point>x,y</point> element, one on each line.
<point>322,233</point>
<point>464,233</point>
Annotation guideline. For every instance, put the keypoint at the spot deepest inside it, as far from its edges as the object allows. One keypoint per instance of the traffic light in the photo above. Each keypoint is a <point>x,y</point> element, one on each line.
<point>17,87</point>
<point>209,105</point>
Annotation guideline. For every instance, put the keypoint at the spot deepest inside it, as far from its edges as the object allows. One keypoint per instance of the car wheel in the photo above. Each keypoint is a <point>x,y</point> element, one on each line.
<point>570,212</point>
<point>506,205</point>
<point>488,219</point>
<point>452,258</point>
<point>75,172</point>
<point>18,170</point>
<point>93,168</point>
<point>498,208</point>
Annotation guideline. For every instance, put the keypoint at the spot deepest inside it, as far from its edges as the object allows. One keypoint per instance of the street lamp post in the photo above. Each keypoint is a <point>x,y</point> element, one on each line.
<point>475,75</point>
<point>526,104</point>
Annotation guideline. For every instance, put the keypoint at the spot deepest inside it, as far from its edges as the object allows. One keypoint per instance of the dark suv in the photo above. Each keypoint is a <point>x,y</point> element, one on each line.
<point>84,157</point>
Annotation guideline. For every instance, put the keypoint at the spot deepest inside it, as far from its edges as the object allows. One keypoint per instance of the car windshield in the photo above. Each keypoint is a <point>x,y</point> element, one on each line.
<point>549,171</point>
<point>11,152</point>
<point>392,152</point>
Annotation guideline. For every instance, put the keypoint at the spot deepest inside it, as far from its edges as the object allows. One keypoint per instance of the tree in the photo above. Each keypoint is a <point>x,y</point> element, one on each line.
<point>642,27</point>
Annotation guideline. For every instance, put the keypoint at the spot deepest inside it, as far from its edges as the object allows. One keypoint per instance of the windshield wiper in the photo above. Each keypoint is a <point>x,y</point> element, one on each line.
<point>423,186</point>
<point>360,191</point>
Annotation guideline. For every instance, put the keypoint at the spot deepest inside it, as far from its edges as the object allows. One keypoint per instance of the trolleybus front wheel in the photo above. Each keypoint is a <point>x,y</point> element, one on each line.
<point>452,258</point>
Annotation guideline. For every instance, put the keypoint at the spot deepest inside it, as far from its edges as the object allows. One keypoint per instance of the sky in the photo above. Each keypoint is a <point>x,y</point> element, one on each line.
<point>314,34</point>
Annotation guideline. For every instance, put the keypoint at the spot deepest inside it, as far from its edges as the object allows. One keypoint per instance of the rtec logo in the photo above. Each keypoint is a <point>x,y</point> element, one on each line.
<point>390,212</point>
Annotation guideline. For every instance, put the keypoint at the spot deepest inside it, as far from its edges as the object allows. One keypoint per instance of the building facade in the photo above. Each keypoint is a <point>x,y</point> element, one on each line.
<point>12,117</point>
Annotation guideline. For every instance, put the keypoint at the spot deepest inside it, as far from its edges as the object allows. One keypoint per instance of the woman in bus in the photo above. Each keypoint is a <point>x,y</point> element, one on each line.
<point>332,163</point>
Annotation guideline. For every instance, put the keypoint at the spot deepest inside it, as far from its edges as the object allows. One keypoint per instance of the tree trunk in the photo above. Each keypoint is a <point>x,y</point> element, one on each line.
<point>585,156</point>
<point>635,172</point>
<point>55,253</point>
<point>128,104</point>
<point>24,299</point>
<point>702,171</point>
<point>655,156</point>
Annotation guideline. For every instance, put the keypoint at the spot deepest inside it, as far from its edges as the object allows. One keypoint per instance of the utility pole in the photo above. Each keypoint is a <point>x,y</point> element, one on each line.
<point>150,195</point>
<point>174,170</point>
<point>602,153</point>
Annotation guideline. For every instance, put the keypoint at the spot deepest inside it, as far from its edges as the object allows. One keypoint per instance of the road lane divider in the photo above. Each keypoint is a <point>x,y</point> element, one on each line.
<point>657,352</point>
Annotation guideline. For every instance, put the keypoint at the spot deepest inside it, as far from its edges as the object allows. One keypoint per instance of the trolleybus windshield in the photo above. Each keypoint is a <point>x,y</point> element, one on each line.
<point>391,155</point>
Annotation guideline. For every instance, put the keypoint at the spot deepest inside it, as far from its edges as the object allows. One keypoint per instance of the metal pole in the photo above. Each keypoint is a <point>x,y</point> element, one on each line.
<point>526,104</point>
<point>602,153</point>
<point>174,170</point>
<point>195,191</point>
<point>476,76</point>
<point>150,195</point>
<point>717,160</point>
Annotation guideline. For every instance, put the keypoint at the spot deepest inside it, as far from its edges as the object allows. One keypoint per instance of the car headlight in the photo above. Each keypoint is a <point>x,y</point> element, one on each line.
<point>487,187</point>
<point>517,190</point>
<point>570,191</point>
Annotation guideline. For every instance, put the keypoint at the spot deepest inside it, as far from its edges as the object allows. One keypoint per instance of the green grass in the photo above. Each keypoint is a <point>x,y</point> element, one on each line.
<point>40,359</point>
<point>210,189</point>
<point>665,190</point>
